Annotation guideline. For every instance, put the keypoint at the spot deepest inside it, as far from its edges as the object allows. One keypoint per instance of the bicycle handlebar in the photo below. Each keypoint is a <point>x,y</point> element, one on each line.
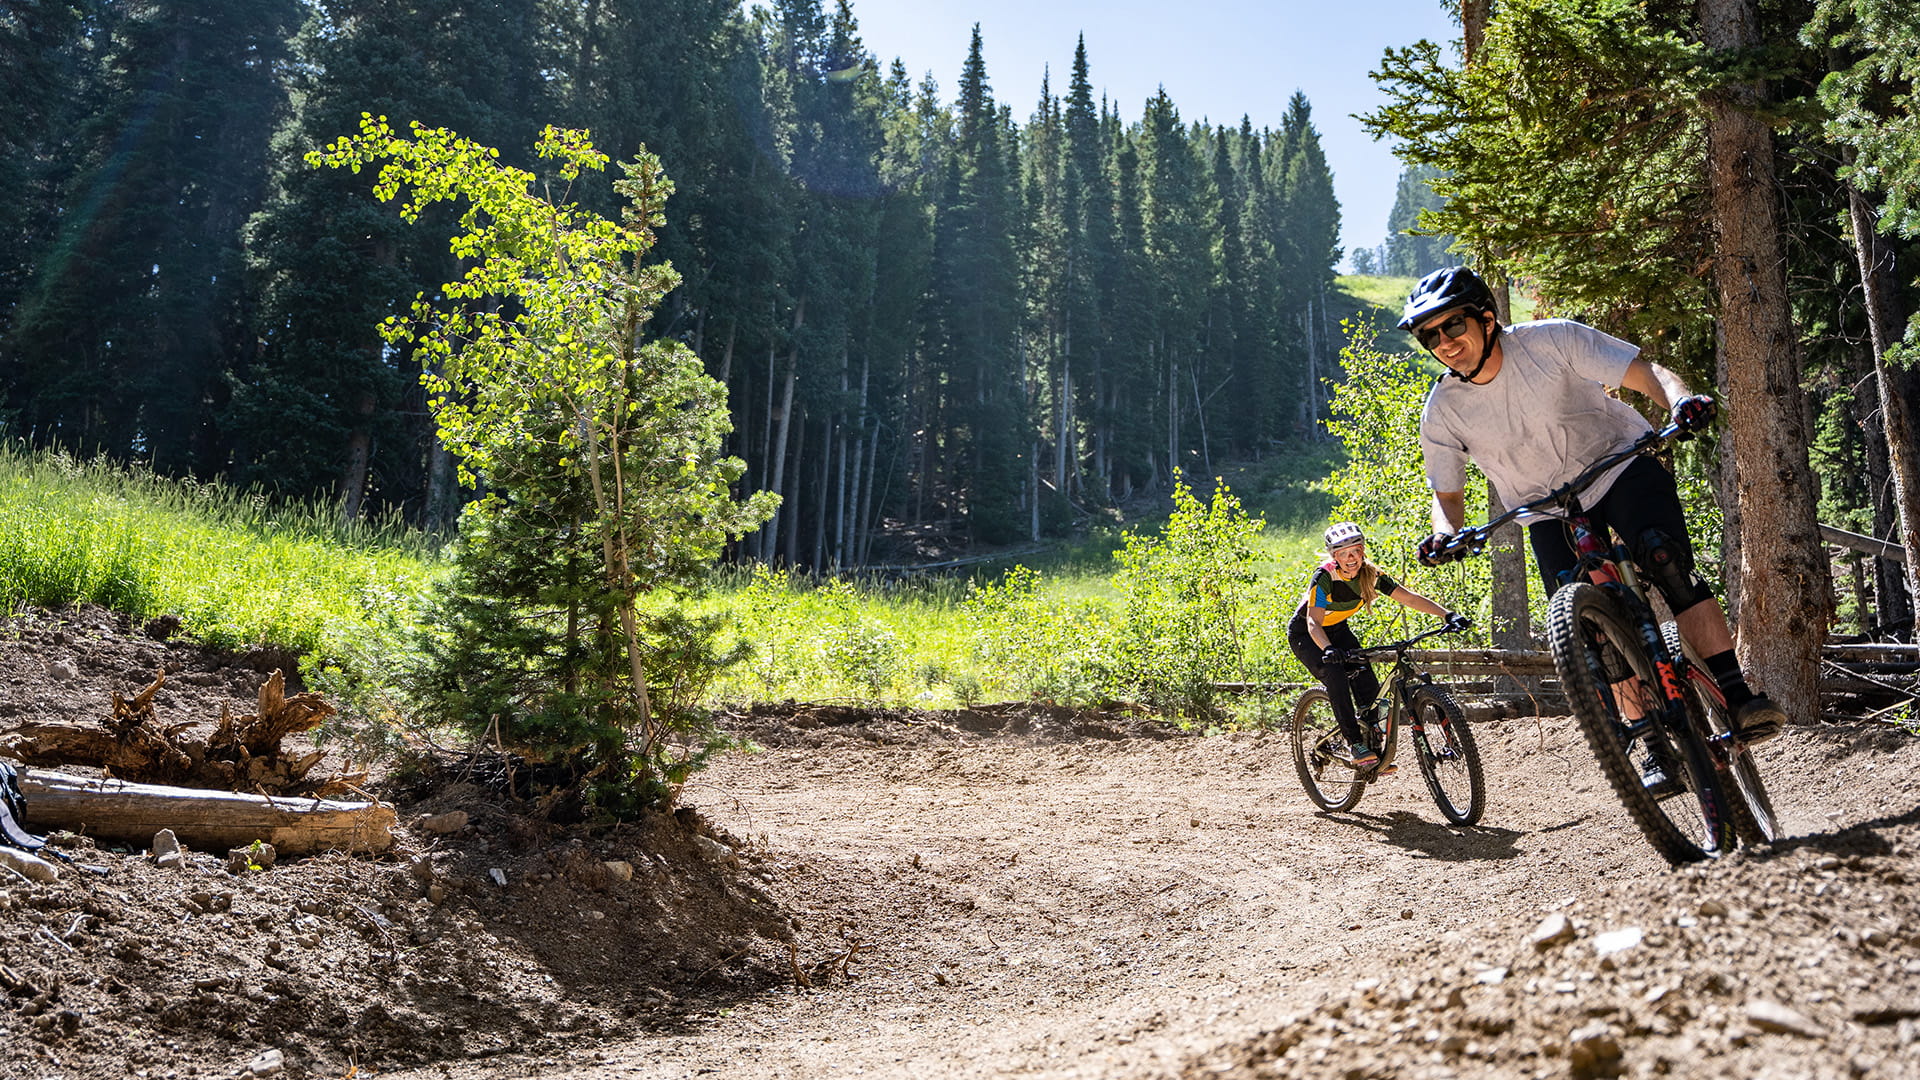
<point>1395,648</point>
<point>1475,538</point>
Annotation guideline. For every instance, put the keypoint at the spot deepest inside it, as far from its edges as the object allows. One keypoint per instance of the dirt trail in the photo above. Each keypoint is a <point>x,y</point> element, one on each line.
<point>1071,906</point>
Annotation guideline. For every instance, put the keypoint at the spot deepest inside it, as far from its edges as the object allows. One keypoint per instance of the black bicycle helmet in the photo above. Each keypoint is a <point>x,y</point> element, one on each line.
<point>1443,290</point>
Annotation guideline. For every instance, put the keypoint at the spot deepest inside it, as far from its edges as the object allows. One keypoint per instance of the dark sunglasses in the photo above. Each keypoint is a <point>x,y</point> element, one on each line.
<point>1453,328</point>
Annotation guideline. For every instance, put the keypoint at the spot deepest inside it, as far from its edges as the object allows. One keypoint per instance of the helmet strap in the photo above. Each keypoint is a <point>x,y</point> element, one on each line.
<point>1486,352</point>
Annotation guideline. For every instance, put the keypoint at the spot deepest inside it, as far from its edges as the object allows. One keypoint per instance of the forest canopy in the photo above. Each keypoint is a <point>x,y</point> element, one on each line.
<point>970,320</point>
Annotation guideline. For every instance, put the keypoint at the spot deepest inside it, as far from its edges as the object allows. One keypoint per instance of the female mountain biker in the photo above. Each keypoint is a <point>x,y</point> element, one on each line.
<point>1346,582</point>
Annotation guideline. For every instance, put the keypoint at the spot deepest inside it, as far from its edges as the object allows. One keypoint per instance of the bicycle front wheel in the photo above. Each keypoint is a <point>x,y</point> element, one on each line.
<point>1331,784</point>
<point>1448,757</point>
<point>1609,677</point>
<point>1749,806</point>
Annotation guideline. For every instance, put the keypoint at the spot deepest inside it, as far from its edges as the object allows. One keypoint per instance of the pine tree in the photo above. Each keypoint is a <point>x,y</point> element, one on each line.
<point>42,80</point>
<point>975,322</point>
<point>1307,217</point>
<point>1878,130</point>
<point>329,267</point>
<point>1412,252</point>
<point>117,343</point>
<point>1086,205</point>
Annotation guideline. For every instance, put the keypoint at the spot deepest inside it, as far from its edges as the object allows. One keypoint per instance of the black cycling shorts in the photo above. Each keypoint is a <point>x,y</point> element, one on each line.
<point>1643,500</point>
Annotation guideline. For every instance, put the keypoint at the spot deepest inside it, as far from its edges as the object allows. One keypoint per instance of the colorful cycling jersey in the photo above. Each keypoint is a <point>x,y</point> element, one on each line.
<point>1340,598</point>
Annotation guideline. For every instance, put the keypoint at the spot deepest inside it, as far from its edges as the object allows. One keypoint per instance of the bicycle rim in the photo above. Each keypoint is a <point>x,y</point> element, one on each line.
<point>1448,757</point>
<point>1330,784</point>
<point>1595,649</point>
<point>1749,806</point>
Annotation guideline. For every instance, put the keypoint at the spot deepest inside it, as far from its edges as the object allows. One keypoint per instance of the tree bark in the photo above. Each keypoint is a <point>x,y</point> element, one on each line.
<point>1899,389</point>
<point>215,821</point>
<point>1785,592</point>
<point>353,476</point>
<point>1509,627</point>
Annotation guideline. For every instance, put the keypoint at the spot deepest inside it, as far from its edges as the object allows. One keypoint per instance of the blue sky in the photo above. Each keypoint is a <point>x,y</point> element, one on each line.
<point>1218,59</point>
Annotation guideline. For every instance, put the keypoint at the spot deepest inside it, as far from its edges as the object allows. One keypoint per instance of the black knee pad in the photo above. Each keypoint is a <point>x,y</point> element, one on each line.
<point>1667,563</point>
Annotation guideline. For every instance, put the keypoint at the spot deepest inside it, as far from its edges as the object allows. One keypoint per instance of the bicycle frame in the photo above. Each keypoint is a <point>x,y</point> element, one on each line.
<point>1607,565</point>
<point>1397,688</point>
<point>1612,568</point>
<point>1647,697</point>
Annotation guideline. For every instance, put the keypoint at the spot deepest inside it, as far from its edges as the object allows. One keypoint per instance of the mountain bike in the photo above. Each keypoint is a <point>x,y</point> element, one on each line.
<point>1442,742</point>
<point>1630,681</point>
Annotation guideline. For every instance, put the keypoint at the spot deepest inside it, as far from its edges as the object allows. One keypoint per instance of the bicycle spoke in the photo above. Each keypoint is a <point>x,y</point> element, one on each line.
<point>1330,783</point>
<point>1449,759</point>
<point>1608,673</point>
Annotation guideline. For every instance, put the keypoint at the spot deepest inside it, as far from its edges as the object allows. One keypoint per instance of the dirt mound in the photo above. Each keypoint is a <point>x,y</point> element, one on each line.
<point>465,941</point>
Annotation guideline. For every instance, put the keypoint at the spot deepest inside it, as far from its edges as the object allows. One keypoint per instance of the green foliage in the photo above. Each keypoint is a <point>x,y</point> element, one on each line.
<point>239,570</point>
<point>1040,644</point>
<point>1870,102</point>
<point>1872,115</point>
<point>1376,416</point>
<point>1184,598</point>
<point>1574,147</point>
<point>1383,484</point>
<point>858,650</point>
<point>1411,250</point>
<point>599,453</point>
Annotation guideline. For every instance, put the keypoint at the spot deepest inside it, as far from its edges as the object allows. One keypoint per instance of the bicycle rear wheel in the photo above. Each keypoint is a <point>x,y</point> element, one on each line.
<point>1448,757</point>
<point>1600,657</point>
<point>1748,804</point>
<point>1331,784</point>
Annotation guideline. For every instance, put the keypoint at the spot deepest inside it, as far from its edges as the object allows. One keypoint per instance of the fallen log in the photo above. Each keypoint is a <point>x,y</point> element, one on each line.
<point>1497,661</point>
<point>203,819</point>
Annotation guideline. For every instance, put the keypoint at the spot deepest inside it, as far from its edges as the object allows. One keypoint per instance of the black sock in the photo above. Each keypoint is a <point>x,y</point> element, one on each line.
<point>1725,668</point>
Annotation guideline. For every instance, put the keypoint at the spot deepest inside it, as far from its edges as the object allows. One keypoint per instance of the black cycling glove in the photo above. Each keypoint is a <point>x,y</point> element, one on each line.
<point>1694,413</point>
<point>1433,550</point>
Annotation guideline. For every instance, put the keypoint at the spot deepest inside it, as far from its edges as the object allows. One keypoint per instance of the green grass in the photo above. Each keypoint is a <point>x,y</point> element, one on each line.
<point>1381,291</point>
<point>238,569</point>
<point>920,643</point>
<point>242,571</point>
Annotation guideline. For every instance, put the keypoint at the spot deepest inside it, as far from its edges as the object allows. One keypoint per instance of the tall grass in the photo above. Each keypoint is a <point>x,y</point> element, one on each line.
<point>1058,627</point>
<point>242,570</point>
<point>237,568</point>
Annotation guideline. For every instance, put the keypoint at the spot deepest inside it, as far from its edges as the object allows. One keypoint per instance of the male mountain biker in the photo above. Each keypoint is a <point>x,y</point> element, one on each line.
<point>1529,404</point>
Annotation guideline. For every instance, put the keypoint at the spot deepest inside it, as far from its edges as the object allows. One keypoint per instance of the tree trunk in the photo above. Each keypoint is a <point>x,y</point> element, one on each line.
<point>822,485</point>
<point>1785,592</point>
<point>443,488</point>
<point>1899,388</point>
<point>791,507</point>
<point>1509,629</point>
<point>353,478</point>
<point>214,821</point>
<point>863,506</point>
<point>1060,446</point>
<point>778,452</point>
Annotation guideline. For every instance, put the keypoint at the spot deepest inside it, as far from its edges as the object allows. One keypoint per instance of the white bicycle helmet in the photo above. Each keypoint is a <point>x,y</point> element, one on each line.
<point>1342,534</point>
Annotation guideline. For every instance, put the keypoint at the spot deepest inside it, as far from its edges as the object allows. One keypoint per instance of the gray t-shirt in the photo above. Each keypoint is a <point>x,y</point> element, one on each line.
<point>1542,419</point>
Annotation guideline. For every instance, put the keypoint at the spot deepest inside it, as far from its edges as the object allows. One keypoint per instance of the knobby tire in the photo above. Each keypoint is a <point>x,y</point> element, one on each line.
<point>1594,646</point>
<point>1448,756</point>
<point>1330,784</point>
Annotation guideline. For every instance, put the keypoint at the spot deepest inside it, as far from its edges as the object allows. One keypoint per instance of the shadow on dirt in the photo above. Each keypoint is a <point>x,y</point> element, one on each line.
<point>1450,843</point>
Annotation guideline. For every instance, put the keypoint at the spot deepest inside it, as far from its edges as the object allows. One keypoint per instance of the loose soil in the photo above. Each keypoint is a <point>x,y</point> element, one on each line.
<point>1010,891</point>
